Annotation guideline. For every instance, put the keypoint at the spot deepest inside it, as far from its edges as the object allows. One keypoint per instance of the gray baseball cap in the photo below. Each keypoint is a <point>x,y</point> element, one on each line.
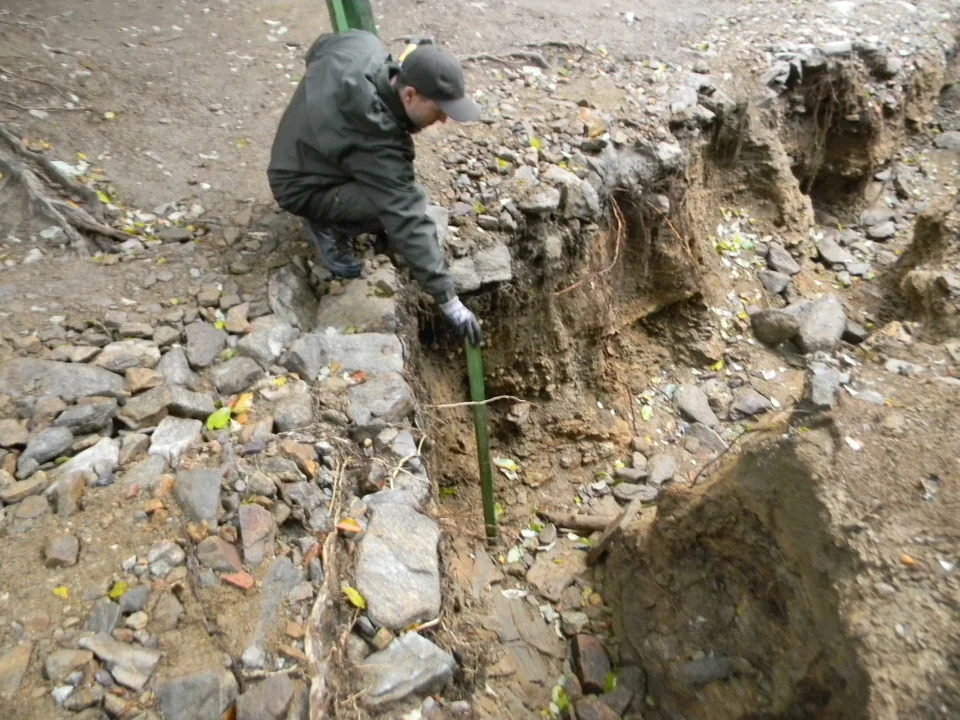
<point>437,75</point>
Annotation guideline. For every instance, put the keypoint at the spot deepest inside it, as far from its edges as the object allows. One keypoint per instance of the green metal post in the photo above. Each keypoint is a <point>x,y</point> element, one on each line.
<point>351,15</point>
<point>475,371</point>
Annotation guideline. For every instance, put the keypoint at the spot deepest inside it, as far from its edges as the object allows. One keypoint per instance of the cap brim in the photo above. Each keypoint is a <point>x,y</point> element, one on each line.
<point>461,110</point>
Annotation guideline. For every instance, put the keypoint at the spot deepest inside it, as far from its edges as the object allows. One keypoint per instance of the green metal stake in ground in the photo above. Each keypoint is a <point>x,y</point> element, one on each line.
<point>475,370</point>
<point>351,15</point>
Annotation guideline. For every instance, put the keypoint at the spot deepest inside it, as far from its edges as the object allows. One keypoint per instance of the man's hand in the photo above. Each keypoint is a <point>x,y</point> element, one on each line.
<point>463,320</point>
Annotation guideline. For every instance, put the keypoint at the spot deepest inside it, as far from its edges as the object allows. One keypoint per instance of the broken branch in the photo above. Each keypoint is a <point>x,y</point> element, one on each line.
<point>534,58</point>
<point>581,523</point>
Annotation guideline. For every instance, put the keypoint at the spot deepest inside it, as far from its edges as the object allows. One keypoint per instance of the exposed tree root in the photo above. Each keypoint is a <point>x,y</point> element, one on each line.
<point>533,58</point>
<point>70,218</point>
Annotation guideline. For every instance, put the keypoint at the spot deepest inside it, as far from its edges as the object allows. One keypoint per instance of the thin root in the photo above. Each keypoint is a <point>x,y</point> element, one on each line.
<point>618,215</point>
<point>534,58</point>
<point>447,406</point>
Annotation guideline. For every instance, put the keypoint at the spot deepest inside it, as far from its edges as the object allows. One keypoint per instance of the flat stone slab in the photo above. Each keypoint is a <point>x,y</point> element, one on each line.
<point>373,353</point>
<point>361,306</point>
<point>386,398</point>
<point>410,664</point>
<point>101,459</point>
<point>173,436</point>
<point>291,298</point>
<point>398,570</point>
<point>130,665</point>
<point>32,378</point>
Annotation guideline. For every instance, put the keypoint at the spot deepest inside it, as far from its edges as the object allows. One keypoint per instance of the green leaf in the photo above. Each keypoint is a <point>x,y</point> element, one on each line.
<point>535,143</point>
<point>497,511</point>
<point>219,325</point>
<point>559,698</point>
<point>109,115</point>
<point>563,72</point>
<point>350,330</point>
<point>219,419</point>
<point>448,492</point>
<point>117,590</point>
<point>478,207</point>
<point>103,197</point>
<point>355,598</point>
<point>646,413</point>
<point>501,163</point>
<point>610,682</point>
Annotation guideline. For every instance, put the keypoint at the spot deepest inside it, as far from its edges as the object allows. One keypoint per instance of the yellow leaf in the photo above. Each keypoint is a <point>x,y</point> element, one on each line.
<point>243,404</point>
<point>103,197</point>
<point>349,525</point>
<point>717,366</point>
<point>241,143</point>
<point>81,156</point>
<point>278,382</point>
<point>219,419</point>
<point>108,115</point>
<point>535,143</point>
<point>334,367</point>
<point>219,325</point>
<point>355,598</point>
<point>61,592</point>
<point>118,589</point>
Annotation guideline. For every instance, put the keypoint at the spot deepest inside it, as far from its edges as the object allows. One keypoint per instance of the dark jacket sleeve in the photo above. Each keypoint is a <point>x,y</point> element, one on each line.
<point>386,173</point>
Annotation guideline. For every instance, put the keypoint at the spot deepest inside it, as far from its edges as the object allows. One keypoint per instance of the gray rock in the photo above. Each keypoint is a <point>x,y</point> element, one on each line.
<point>189,404</point>
<point>197,695</point>
<point>235,375</point>
<point>831,252</point>
<point>858,269</point>
<point>837,48</point>
<point>883,231</point>
<point>628,492</point>
<point>630,475</point>
<point>662,468</point>
<point>13,666</point>
<point>398,568</point>
<point>61,550</point>
<point>146,409</point>
<point>293,411</point>
<point>291,298</point>
<point>204,343</point>
<point>132,447</point>
<point>693,405</point>
<point>24,378</point>
<point>707,436</point>
<point>373,353</point>
<point>135,599</point>
<point>382,399</point>
<point>104,616</point>
<point>13,433</point>
<point>410,664</point>
<point>773,327</point>
<point>253,658</point>
<point>217,554</point>
<point>578,198</point>
<point>774,282</point>
<point>949,140</point>
<point>145,473</point>
<point>61,663</point>
<point>747,402</point>
<point>543,201</point>
<point>130,665</point>
<point>877,215</point>
<point>780,260</point>
<point>46,445</point>
<point>493,265</point>
<point>164,336</point>
<point>282,577</point>
<point>572,622</point>
<point>269,337</point>
<point>822,324</point>
<point>466,279</point>
<point>824,382</point>
<point>101,460</point>
<point>198,493</point>
<point>176,368</point>
<point>87,418</point>
<point>267,700</point>
<point>119,356</point>
<point>855,333</point>
<point>163,557</point>
<point>360,308</point>
<point>173,436</point>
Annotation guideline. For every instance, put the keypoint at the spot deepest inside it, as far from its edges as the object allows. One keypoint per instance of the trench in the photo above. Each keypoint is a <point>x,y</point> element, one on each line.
<point>724,594</point>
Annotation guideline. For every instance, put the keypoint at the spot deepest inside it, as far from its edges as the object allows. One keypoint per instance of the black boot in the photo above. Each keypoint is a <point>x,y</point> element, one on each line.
<point>334,252</point>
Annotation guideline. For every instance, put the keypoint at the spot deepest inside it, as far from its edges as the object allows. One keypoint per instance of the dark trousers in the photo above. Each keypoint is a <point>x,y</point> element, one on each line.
<point>343,210</point>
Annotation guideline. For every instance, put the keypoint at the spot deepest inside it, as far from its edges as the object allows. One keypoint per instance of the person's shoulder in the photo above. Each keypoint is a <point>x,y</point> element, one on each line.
<point>352,43</point>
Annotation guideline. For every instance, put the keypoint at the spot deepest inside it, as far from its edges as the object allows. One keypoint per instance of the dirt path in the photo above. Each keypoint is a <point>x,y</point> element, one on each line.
<point>198,89</point>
